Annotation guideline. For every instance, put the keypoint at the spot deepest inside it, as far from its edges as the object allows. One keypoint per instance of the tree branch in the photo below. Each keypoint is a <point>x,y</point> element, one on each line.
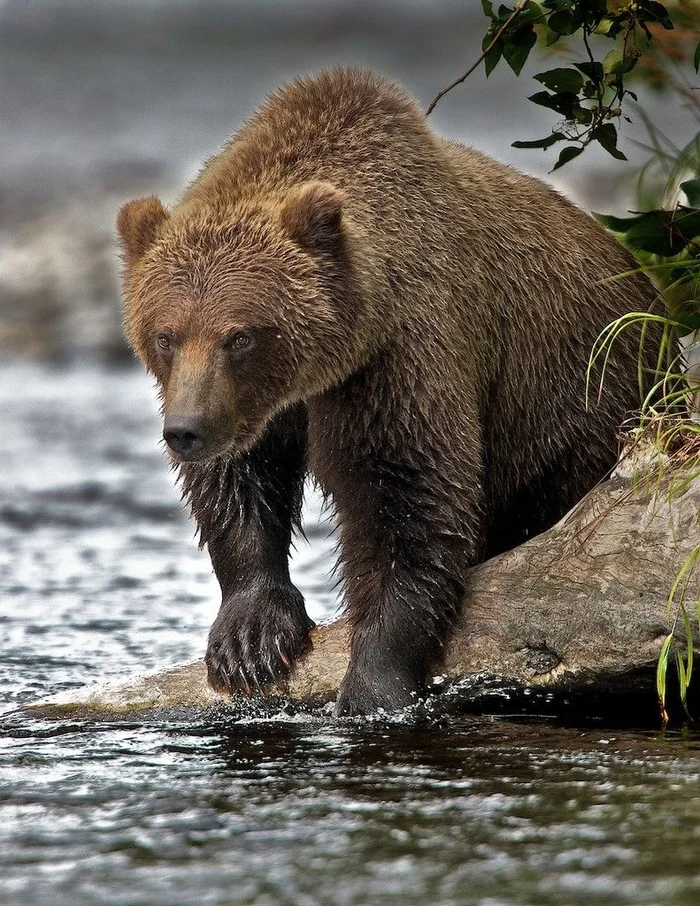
<point>497,37</point>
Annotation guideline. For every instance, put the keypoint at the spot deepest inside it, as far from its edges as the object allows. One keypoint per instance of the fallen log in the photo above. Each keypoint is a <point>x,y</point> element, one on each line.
<point>580,611</point>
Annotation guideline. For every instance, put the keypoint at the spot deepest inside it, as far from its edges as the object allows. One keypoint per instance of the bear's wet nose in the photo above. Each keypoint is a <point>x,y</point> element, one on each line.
<point>184,435</point>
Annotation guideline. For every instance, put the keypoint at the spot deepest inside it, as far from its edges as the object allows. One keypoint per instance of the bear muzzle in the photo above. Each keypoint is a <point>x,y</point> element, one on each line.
<point>196,437</point>
<point>185,435</point>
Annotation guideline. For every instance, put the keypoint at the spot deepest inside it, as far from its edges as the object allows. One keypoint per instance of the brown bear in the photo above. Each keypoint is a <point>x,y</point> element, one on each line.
<point>341,291</point>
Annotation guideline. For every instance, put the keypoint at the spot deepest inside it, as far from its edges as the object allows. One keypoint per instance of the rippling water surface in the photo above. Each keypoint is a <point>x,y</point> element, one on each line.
<point>100,577</point>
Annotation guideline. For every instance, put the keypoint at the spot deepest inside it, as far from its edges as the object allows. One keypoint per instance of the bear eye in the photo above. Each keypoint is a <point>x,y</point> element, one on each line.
<point>239,340</point>
<point>163,340</point>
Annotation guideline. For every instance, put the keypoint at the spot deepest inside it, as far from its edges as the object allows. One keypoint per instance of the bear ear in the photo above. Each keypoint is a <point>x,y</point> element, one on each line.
<point>312,215</point>
<point>137,224</point>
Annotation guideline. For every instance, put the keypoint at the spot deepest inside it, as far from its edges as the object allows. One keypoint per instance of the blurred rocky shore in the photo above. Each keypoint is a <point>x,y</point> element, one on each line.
<point>102,102</point>
<point>59,280</point>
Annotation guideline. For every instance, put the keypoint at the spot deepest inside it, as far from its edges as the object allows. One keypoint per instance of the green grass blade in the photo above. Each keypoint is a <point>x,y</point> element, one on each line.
<point>661,669</point>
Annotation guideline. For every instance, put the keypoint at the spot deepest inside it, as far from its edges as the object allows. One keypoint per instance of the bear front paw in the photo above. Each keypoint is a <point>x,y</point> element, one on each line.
<point>255,640</point>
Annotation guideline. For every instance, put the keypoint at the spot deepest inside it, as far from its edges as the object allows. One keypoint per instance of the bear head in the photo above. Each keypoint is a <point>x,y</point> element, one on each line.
<point>239,310</point>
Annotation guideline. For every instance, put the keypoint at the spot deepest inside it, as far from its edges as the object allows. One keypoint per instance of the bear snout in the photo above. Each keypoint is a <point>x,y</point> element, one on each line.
<point>184,434</point>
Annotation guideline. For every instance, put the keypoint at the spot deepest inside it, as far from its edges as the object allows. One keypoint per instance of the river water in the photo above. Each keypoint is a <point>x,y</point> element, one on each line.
<point>100,578</point>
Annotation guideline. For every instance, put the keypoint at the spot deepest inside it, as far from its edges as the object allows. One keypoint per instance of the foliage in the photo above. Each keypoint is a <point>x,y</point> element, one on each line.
<point>666,242</point>
<point>591,95</point>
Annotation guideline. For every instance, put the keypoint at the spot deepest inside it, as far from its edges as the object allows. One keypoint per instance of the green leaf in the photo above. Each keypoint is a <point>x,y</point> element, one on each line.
<point>613,60</point>
<point>692,192</point>
<point>561,80</point>
<point>629,62</point>
<point>545,99</point>
<point>687,223</point>
<point>491,59</point>
<point>662,232</point>
<point>541,142</point>
<point>494,55</point>
<point>606,136</point>
<point>566,155</point>
<point>616,64</point>
<point>689,644</point>
<point>530,12</point>
<point>696,58</point>
<point>618,224</point>
<point>517,47</point>
<point>650,11</point>
<point>648,35</point>
<point>582,114</point>
<point>564,22</point>
<point>650,235</point>
<point>682,677</point>
<point>594,70</point>
<point>556,5</point>
<point>563,102</point>
<point>608,26</point>
<point>661,667</point>
<point>689,322</point>
<point>487,7</point>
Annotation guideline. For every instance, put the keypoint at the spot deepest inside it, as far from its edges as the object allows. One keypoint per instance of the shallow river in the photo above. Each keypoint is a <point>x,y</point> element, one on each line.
<point>100,577</point>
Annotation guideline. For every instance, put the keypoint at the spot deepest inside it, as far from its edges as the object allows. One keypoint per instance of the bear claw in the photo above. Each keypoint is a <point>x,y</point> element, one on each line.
<point>256,639</point>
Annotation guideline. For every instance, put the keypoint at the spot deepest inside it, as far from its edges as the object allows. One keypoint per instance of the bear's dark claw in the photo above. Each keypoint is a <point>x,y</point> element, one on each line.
<point>256,639</point>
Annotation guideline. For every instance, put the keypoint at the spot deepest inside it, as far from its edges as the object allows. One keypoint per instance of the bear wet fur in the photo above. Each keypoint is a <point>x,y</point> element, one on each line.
<point>343,292</point>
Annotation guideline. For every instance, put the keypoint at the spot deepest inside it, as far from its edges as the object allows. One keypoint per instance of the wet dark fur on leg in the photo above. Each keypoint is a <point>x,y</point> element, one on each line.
<point>246,508</point>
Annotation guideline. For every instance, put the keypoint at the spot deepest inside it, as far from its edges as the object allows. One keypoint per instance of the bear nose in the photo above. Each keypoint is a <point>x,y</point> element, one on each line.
<point>184,434</point>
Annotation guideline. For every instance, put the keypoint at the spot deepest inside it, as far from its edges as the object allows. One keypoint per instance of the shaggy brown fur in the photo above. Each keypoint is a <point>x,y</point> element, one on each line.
<point>342,290</point>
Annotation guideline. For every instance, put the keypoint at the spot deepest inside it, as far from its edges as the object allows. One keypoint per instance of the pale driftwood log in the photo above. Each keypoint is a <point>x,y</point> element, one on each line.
<point>581,608</point>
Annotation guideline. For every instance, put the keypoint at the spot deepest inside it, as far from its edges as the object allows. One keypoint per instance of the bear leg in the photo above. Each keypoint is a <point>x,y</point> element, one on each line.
<point>246,507</point>
<point>405,550</point>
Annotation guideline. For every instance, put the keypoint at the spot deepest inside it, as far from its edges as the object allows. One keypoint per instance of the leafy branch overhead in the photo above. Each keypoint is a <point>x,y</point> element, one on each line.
<point>590,95</point>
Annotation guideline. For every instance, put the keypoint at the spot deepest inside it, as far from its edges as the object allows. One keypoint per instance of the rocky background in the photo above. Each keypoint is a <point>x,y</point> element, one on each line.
<point>103,101</point>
